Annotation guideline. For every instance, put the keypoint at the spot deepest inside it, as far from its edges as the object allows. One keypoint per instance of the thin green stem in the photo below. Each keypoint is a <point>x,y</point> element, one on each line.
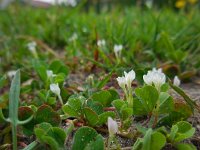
<point>31,146</point>
<point>110,139</point>
<point>130,97</point>
<point>113,138</point>
<point>2,116</point>
<point>117,143</point>
<point>156,110</point>
<point>14,136</point>
<point>126,93</point>
<point>60,99</point>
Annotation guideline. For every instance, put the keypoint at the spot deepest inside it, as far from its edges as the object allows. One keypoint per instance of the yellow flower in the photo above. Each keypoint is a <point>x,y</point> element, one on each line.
<point>180,4</point>
<point>192,1</point>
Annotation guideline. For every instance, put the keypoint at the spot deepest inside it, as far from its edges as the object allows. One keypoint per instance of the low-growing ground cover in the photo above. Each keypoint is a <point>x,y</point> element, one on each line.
<point>82,80</point>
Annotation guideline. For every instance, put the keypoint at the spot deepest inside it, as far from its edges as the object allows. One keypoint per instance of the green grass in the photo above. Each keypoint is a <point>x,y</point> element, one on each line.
<point>143,33</point>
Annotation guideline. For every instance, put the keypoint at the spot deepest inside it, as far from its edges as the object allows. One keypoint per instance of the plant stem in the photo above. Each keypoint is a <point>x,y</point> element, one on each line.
<point>110,138</point>
<point>14,136</point>
<point>156,114</point>
<point>32,145</point>
<point>60,99</point>
<point>130,97</point>
<point>155,121</point>
<point>117,143</point>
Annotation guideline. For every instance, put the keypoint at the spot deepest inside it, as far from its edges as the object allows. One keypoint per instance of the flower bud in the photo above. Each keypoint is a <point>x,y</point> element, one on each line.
<point>176,81</point>
<point>50,74</point>
<point>112,126</point>
<point>55,89</point>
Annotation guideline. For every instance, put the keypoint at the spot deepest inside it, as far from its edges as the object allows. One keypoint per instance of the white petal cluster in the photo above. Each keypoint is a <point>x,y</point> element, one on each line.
<point>72,3</point>
<point>55,89</point>
<point>125,83</point>
<point>176,81</point>
<point>50,74</point>
<point>155,77</point>
<point>117,50</point>
<point>112,126</point>
<point>32,46</point>
<point>121,81</point>
<point>130,76</point>
<point>149,3</point>
<point>90,79</point>
<point>74,37</point>
<point>101,43</point>
<point>127,79</point>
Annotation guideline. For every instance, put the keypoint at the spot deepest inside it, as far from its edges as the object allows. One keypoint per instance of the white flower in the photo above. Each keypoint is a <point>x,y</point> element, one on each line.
<point>50,74</point>
<point>122,82</point>
<point>176,81</point>
<point>72,3</point>
<point>55,89</point>
<point>125,83</point>
<point>90,79</point>
<point>155,77</point>
<point>11,73</point>
<point>101,43</point>
<point>112,126</point>
<point>74,37</point>
<point>32,46</point>
<point>129,77</point>
<point>118,48</point>
<point>149,3</point>
<point>157,70</point>
<point>117,51</point>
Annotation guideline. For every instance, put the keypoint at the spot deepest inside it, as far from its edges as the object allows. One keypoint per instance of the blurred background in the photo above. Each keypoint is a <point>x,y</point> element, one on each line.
<point>105,4</point>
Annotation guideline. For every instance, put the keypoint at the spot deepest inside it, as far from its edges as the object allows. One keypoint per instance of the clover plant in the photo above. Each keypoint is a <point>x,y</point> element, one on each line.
<point>124,112</point>
<point>179,132</point>
<point>152,140</point>
<point>91,111</point>
<point>52,136</point>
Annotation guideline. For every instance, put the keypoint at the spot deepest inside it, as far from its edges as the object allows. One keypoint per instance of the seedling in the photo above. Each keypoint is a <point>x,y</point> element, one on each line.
<point>88,111</point>
<point>13,108</point>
